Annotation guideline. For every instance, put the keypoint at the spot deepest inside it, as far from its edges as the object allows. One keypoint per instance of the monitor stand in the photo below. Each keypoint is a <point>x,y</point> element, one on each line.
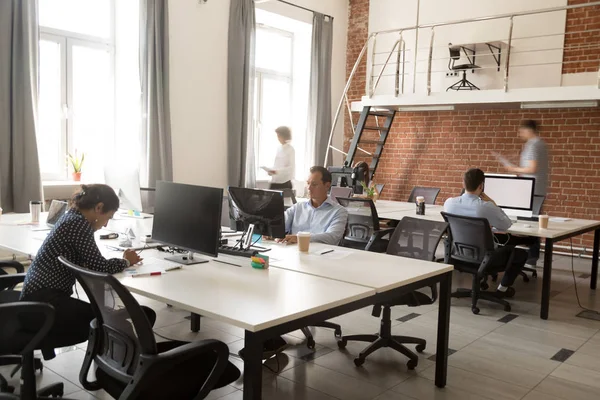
<point>187,259</point>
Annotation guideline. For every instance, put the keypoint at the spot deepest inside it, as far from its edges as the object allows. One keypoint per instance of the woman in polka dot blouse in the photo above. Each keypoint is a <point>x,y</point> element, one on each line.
<point>49,281</point>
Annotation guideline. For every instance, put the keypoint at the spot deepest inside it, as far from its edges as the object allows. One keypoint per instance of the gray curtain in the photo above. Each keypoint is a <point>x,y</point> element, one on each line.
<point>154,74</point>
<point>240,93</point>
<point>319,102</point>
<point>20,180</point>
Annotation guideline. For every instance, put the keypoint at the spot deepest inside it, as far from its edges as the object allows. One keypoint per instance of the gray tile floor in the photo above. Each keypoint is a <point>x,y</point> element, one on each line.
<point>523,358</point>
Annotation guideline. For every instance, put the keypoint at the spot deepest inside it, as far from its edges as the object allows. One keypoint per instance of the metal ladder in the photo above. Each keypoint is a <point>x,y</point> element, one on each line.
<point>365,124</point>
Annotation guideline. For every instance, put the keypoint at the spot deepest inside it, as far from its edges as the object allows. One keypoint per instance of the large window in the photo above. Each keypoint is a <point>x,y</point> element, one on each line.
<point>77,82</point>
<point>281,91</point>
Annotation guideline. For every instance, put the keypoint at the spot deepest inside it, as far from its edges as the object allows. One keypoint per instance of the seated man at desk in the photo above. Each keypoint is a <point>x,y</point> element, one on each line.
<point>475,203</point>
<point>322,217</point>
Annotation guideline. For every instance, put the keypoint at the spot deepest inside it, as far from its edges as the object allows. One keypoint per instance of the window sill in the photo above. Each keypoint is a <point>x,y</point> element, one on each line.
<point>60,183</point>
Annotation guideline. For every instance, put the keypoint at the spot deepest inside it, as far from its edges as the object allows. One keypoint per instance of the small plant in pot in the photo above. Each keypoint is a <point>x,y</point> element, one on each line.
<point>369,192</point>
<point>76,162</point>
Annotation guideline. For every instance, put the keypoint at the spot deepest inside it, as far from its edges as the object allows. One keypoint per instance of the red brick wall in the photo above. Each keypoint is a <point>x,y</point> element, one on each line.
<point>583,29</point>
<point>435,148</point>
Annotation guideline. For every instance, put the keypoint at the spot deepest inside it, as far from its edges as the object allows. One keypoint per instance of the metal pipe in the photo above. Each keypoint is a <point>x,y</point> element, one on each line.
<point>507,58</point>
<point>363,150</point>
<point>397,81</point>
<point>383,68</point>
<point>416,28</point>
<point>403,63</point>
<point>369,89</point>
<point>346,88</point>
<point>430,62</point>
<point>338,150</point>
<point>350,114</point>
<point>302,8</point>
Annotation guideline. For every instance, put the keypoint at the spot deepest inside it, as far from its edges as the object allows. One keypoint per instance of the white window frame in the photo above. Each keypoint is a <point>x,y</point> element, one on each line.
<point>66,40</point>
<point>260,74</point>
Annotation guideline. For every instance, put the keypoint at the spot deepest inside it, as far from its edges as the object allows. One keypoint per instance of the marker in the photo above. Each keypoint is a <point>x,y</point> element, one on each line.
<point>327,251</point>
<point>147,274</point>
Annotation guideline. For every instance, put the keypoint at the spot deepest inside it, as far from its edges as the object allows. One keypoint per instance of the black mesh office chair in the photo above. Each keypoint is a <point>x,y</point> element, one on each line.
<point>8,282</point>
<point>148,199</point>
<point>412,238</point>
<point>289,194</point>
<point>472,251</point>
<point>363,227</point>
<point>15,340</point>
<point>430,194</point>
<point>130,364</point>
<point>464,83</point>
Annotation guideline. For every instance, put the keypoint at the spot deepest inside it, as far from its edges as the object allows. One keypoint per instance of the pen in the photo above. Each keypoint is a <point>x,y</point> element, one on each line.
<point>327,251</point>
<point>147,274</point>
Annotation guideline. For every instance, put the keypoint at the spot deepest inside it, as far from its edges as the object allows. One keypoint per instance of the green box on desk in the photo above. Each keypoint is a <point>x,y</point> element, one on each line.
<point>259,261</point>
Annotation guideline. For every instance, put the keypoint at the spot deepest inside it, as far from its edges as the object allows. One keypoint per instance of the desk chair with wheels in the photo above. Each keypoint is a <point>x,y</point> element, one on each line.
<point>429,193</point>
<point>472,250</point>
<point>130,364</point>
<point>289,194</point>
<point>363,227</point>
<point>9,295</point>
<point>15,340</point>
<point>464,83</point>
<point>412,238</point>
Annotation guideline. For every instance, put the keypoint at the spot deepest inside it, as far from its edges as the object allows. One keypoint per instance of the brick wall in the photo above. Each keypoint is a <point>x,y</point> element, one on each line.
<point>434,148</point>
<point>583,29</point>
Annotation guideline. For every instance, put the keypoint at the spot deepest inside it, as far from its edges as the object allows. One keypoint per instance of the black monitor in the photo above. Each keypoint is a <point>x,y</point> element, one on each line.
<point>259,210</point>
<point>189,218</point>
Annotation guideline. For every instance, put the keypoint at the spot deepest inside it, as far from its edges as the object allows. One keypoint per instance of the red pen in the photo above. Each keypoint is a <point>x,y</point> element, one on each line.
<point>148,274</point>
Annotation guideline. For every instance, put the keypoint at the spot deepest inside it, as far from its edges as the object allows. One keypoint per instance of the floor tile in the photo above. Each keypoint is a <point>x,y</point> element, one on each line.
<point>535,395</point>
<point>82,395</point>
<point>221,392</point>
<point>507,318</point>
<point>540,336</point>
<point>391,395</point>
<point>421,388</point>
<point>588,356</point>
<point>332,383</point>
<point>44,378</point>
<point>578,375</point>
<point>68,365</point>
<point>566,389</point>
<point>479,384</point>
<point>493,369</point>
<point>408,317</point>
<point>562,355</point>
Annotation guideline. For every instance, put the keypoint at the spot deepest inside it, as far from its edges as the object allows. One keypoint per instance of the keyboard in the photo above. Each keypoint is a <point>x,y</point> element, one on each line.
<point>528,218</point>
<point>236,251</point>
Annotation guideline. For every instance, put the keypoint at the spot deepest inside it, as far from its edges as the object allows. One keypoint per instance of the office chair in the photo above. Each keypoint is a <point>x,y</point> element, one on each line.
<point>148,199</point>
<point>130,364</point>
<point>412,238</point>
<point>14,339</point>
<point>363,228</point>
<point>429,193</point>
<point>9,295</point>
<point>464,83</point>
<point>289,194</point>
<point>471,250</point>
<point>336,191</point>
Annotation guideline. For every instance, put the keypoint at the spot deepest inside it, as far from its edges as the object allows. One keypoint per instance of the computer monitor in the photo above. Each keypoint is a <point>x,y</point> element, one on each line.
<point>514,194</point>
<point>257,211</point>
<point>188,217</point>
<point>336,192</point>
<point>126,184</point>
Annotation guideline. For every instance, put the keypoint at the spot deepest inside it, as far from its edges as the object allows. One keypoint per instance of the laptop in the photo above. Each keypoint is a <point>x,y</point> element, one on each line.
<point>57,209</point>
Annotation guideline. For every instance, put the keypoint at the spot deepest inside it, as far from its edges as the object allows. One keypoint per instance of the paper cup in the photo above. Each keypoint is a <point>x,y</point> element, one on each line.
<point>303,241</point>
<point>420,199</point>
<point>543,219</point>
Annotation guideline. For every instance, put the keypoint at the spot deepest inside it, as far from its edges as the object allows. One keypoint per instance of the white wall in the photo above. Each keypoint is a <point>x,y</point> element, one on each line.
<point>198,81</point>
<point>393,14</point>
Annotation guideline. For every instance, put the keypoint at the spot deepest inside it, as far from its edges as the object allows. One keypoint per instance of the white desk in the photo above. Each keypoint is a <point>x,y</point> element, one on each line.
<point>556,232</point>
<point>271,302</point>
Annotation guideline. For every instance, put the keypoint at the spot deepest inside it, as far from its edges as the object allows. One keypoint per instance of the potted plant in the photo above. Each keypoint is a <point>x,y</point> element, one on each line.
<point>369,192</point>
<point>76,163</point>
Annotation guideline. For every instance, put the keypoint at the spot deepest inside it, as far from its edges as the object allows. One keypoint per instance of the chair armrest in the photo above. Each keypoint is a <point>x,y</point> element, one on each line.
<point>8,282</point>
<point>378,235</point>
<point>17,266</point>
<point>192,350</point>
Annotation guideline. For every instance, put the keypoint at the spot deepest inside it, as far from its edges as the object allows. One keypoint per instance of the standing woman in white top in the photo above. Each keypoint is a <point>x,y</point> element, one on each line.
<point>284,167</point>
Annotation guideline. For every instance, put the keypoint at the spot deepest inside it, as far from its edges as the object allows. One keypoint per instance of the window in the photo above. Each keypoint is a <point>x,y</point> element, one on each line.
<point>281,86</point>
<point>79,40</point>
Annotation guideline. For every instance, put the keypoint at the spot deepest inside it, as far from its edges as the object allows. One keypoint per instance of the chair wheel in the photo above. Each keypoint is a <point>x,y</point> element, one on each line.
<point>359,361</point>
<point>420,348</point>
<point>534,274</point>
<point>338,333</point>
<point>494,277</point>
<point>525,278</point>
<point>485,286</point>
<point>475,310</point>
<point>507,308</point>
<point>342,344</point>
<point>412,364</point>
<point>310,343</point>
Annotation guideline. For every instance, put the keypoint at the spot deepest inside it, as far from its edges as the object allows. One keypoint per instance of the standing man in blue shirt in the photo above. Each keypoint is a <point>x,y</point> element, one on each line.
<point>322,217</point>
<point>475,203</point>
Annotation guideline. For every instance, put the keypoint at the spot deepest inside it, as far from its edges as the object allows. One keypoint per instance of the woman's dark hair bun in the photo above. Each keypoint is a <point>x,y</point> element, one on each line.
<point>89,196</point>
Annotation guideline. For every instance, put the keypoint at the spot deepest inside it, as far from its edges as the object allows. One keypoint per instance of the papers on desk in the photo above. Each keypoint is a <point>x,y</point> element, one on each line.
<point>330,253</point>
<point>558,219</point>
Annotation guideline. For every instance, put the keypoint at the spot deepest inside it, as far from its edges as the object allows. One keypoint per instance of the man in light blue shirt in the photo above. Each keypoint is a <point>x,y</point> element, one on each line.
<point>323,218</point>
<point>475,203</point>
